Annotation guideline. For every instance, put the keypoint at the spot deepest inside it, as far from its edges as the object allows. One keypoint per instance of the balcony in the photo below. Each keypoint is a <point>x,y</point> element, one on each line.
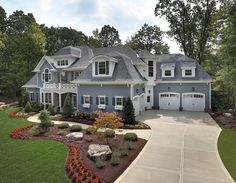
<point>66,87</point>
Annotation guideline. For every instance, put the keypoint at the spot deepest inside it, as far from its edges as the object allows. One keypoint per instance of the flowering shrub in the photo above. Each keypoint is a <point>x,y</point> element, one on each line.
<point>77,171</point>
<point>16,115</point>
<point>18,132</point>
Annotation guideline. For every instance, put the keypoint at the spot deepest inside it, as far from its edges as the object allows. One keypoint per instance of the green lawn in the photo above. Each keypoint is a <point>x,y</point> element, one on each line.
<point>26,161</point>
<point>227,150</point>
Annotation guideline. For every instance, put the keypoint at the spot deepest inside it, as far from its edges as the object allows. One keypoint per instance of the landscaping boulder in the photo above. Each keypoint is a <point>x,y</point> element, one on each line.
<point>101,151</point>
<point>75,136</point>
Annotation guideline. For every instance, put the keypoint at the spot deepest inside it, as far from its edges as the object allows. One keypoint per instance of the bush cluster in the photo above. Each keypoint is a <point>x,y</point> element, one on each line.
<point>109,133</point>
<point>75,128</point>
<point>131,137</point>
<point>63,125</point>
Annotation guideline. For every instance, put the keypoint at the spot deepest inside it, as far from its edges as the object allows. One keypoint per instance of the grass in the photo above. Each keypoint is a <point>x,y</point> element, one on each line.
<point>36,161</point>
<point>227,150</point>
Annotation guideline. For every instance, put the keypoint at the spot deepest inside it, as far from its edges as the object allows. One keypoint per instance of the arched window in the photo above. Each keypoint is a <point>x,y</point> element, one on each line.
<point>47,76</point>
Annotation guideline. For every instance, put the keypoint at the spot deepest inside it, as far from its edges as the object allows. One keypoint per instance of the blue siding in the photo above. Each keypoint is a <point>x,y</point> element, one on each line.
<point>34,90</point>
<point>96,90</point>
<point>54,74</point>
<point>181,88</point>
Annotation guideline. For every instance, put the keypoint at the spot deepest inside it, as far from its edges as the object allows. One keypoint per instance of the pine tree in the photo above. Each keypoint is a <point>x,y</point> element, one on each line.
<point>129,117</point>
<point>28,107</point>
<point>67,107</point>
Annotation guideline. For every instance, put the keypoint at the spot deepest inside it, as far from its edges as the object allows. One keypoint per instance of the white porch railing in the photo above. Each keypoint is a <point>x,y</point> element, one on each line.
<point>59,86</point>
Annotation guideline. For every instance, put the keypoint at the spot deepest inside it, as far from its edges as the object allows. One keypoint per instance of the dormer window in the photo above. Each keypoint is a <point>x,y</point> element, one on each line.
<point>62,62</point>
<point>168,70</point>
<point>102,68</point>
<point>188,69</point>
<point>46,75</point>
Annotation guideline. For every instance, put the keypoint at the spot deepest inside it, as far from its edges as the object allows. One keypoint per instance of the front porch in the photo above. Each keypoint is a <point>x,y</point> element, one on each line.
<point>57,99</point>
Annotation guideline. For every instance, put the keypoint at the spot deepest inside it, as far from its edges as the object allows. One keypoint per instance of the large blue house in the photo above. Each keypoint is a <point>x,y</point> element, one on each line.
<point>103,78</point>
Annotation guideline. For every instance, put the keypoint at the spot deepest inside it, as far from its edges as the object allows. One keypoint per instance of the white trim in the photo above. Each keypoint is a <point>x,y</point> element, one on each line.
<point>188,68</point>
<point>209,95</point>
<point>49,73</point>
<point>131,91</point>
<point>101,96</point>
<point>181,81</point>
<point>169,93</point>
<point>89,99</point>
<point>30,86</point>
<point>102,56</point>
<point>172,72</point>
<point>121,97</point>
<point>41,62</point>
<point>127,82</point>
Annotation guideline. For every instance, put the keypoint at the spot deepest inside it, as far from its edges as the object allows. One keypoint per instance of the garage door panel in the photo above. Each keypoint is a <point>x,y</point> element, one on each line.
<point>193,101</point>
<point>169,101</point>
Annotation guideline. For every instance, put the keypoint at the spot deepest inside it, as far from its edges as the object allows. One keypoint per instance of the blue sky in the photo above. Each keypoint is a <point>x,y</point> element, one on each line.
<point>127,16</point>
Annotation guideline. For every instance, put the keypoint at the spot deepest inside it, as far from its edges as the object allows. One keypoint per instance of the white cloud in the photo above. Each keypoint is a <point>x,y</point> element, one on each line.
<point>46,5</point>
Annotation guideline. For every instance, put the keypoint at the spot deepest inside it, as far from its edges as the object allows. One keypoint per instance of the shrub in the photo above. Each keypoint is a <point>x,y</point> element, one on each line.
<point>83,115</point>
<point>131,137</point>
<point>115,158</point>
<point>34,131</point>
<point>109,133</point>
<point>63,125</point>
<point>25,99</point>
<point>129,117</point>
<point>61,133</point>
<point>75,128</point>
<point>67,107</point>
<point>45,121</point>
<point>36,107</point>
<point>28,107</point>
<point>129,146</point>
<point>124,151</point>
<point>51,110</point>
<point>100,163</point>
<point>51,124</point>
<point>90,130</point>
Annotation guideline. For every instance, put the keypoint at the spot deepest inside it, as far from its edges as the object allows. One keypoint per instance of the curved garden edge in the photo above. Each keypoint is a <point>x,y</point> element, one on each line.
<point>74,164</point>
<point>221,158</point>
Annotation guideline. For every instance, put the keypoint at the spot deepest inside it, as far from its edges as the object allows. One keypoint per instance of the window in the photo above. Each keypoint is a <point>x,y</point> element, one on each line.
<point>48,98</point>
<point>75,74</point>
<point>74,100</point>
<point>86,99</point>
<point>47,76</point>
<point>188,72</point>
<point>101,100</point>
<point>62,62</point>
<point>31,96</point>
<point>150,68</point>
<point>167,72</point>
<point>148,99</point>
<point>119,101</point>
<point>101,67</point>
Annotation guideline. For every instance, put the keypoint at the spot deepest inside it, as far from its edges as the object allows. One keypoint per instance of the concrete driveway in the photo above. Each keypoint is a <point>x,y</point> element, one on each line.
<point>182,149</point>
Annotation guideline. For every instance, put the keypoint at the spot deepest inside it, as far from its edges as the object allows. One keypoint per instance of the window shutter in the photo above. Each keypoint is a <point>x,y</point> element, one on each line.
<point>82,99</point>
<point>91,100</point>
<point>113,101</point>
<point>107,67</point>
<point>96,68</point>
<point>124,100</point>
<point>106,100</point>
<point>96,100</point>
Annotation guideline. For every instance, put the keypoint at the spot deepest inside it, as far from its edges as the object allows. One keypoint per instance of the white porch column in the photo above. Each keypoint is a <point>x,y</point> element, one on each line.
<point>52,98</point>
<point>44,100</point>
<point>131,92</point>
<point>60,101</point>
<point>210,96</point>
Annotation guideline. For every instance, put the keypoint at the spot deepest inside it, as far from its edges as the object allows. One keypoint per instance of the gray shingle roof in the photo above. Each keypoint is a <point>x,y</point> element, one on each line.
<point>179,60</point>
<point>69,50</point>
<point>146,54</point>
<point>123,71</point>
<point>188,64</point>
<point>168,66</point>
<point>32,81</point>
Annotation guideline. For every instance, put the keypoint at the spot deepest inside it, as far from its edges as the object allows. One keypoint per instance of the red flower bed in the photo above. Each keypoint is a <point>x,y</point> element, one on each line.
<point>18,133</point>
<point>15,115</point>
<point>77,171</point>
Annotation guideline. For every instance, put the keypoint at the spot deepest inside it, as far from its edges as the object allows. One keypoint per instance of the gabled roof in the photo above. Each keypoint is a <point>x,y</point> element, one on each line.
<point>180,60</point>
<point>146,54</point>
<point>41,62</point>
<point>32,82</point>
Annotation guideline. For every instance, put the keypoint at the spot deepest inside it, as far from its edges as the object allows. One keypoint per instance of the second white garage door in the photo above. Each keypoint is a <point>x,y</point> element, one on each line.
<point>169,100</point>
<point>193,101</point>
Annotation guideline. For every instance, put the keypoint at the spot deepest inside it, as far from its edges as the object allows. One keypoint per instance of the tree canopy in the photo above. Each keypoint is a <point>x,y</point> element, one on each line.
<point>191,23</point>
<point>148,38</point>
<point>109,36</point>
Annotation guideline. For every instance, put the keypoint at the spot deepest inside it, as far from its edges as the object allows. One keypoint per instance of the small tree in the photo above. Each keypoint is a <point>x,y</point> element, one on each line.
<point>25,99</point>
<point>67,107</point>
<point>108,120</point>
<point>45,120</point>
<point>51,110</point>
<point>28,107</point>
<point>129,117</point>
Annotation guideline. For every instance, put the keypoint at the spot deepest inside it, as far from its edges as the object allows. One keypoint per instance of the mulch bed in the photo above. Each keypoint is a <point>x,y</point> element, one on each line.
<point>109,173</point>
<point>224,120</point>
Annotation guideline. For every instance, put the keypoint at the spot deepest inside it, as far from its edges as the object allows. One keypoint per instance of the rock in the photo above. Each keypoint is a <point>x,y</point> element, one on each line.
<point>75,136</point>
<point>97,150</point>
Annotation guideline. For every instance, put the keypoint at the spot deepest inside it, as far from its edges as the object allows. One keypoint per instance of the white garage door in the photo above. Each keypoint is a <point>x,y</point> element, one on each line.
<point>170,101</point>
<point>193,101</point>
